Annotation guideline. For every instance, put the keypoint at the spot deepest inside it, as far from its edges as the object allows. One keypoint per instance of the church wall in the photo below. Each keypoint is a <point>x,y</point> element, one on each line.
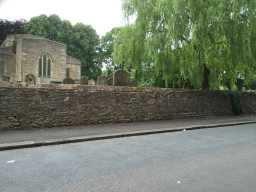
<point>74,71</point>
<point>7,64</point>
<point>74,67</point>
<point>32,49</point>
<point>2,66</point>
<point>9,41</point>
<point>11,66</point>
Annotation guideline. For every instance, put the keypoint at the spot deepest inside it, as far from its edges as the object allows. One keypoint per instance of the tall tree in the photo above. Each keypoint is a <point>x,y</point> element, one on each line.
<point>193,43</point>
<point>81,40</point>
<point>106,49</point>
<point>10,27</point>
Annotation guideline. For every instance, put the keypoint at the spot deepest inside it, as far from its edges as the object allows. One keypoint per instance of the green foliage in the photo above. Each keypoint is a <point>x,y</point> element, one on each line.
<point>235,98</point>
<point>81,40</point>
<point>252,85</point>
<point>106,50</point>
<point>84,80</point>
<point>68,81</point>
<point>10,27</point>
<point>128,52</point>
<point>189,43</point>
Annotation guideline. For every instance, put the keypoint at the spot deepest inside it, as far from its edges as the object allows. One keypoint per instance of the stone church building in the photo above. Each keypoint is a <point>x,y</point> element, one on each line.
<point>33,60</point>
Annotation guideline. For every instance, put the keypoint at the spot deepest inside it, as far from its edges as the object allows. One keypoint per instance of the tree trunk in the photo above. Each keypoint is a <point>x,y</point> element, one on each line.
<point>206,75</point>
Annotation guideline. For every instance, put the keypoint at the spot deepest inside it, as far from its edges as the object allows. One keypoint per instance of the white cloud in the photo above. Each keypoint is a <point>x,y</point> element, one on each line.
<point>103,15</point>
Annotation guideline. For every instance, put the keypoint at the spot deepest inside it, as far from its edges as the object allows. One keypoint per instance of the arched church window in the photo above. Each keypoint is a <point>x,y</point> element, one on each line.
<point>44,66</point>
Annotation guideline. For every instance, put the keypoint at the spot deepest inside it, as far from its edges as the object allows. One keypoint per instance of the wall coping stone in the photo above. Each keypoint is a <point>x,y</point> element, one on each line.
<point>98,88</point>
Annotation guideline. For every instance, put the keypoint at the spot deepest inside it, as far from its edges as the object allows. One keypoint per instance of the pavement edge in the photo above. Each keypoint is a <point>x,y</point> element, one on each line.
<point>32,144</point>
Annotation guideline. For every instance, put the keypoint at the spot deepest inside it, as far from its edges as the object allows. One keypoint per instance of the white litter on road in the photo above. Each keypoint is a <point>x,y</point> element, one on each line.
<point>178,182</point>
<point>11,161</point>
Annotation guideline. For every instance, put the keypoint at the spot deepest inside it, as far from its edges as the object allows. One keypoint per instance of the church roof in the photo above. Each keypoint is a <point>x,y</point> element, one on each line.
<point>30,36</point>
<point>6,51</point>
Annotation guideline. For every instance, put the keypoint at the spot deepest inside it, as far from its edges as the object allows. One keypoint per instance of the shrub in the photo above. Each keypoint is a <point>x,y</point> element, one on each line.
<point>68,81</point>
<point>235,97</point>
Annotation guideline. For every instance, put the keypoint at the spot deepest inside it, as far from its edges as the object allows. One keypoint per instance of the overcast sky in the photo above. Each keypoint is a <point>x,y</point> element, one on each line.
<point>103,15</point>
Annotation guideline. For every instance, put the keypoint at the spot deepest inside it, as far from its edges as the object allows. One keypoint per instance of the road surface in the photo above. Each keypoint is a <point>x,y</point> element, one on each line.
<point>209,160</point>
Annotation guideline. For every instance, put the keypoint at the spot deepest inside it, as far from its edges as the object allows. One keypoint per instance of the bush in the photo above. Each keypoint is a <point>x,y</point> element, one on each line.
<point>235,97</point>
<point>84,80</point>
<point>253,85</point>
<point>68,81</point>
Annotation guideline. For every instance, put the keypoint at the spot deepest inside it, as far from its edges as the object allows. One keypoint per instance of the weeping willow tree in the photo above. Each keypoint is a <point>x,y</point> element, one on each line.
<point>189,43</point>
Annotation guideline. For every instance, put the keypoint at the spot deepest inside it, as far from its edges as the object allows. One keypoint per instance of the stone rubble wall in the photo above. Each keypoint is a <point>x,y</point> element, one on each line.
<point>248,101</point>
<point>22,108</point>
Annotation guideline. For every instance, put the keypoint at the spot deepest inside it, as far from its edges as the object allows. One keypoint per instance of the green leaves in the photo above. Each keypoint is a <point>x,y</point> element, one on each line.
<point>190,41</point>
<point>81,40</point>
<point>10,27</point>
<point>106,50</point>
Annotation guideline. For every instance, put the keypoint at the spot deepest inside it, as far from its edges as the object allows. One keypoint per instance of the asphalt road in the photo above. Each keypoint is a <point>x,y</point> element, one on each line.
<point>209,160</point>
